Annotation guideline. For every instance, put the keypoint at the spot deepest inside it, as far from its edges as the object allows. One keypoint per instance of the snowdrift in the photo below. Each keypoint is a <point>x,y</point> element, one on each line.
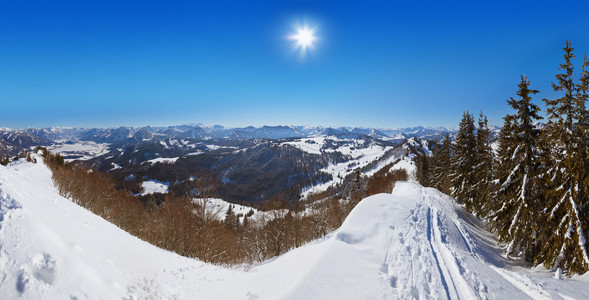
<point>413,243</point>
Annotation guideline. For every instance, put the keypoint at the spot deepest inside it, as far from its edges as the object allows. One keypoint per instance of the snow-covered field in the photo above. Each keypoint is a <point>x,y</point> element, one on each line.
<point>163,160</point>
<point>413,243</point>
<point>80,150</point>
<point>154,186</point>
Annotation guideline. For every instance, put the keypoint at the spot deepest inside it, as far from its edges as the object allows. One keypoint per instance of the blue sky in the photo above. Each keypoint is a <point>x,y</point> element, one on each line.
<point>374,64</point>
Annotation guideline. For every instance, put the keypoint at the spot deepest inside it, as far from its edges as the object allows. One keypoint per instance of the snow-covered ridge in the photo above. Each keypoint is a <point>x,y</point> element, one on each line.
<point>413,243</point>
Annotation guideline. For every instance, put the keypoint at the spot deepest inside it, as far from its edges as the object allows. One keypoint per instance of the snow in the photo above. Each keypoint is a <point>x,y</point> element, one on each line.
<point>79,150</point>
<point>381,165</point>
<point>558,274</point>
<point>309,145</point>
<point>217,147</point>
<point>163,160</point>
<point>154,186</point>
<point>194,153</point>
<point>219,207</point>
<point>408,165</point>
<point>495,146</point>
<point>413,243</point>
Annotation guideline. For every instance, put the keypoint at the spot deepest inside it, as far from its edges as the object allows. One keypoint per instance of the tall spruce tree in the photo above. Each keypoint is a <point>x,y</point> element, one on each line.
<point>463,162</point>
<point>518,196</point>
<point>564,236</point>
<point>441,166</point>
<point>423,172</point>
<point>506,144</point>
<point>483,170</point>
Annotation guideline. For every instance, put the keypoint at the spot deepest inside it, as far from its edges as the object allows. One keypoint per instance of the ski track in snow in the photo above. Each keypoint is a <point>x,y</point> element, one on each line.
<point>414,244</point>
<point>435,257</point>
<point>525,284</point>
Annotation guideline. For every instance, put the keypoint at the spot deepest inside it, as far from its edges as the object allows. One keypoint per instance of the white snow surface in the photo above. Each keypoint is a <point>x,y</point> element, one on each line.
<point>309,145</point>
<point>80,150</point>
<point>163,160</point>
<point>218,208</point>
<point>408,165</point>
<point>154,186</point>
<point>413,243</point>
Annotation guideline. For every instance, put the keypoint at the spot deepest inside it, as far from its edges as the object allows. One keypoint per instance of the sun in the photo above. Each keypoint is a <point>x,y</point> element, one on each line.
<point>305,37</point>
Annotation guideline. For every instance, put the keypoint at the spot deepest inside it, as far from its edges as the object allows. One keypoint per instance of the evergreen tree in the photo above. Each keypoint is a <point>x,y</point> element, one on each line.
<point>506,145</point>
<point>245,223</point>
<point>441,166</point>
<point>357,192</point>
<point>483,171</point>
<point>230,216</point>
<point>463,162</point>
<point>564,242</point>
<point>422,163</point>
<point>518,197</point>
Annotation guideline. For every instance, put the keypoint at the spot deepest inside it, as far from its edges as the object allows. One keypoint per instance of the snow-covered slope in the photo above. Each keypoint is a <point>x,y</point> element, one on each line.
<point>415,243</point>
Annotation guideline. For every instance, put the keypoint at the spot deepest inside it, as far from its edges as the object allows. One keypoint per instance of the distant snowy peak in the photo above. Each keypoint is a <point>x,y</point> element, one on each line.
<point>13,141</point>
<point>537,125</point>
<point>375,133</point>
<point>143,134</point>
<point>335,131</point>
<point>399,136</point>
<point>274,132</point>
<point>107,135</point>
<point>250,132</point>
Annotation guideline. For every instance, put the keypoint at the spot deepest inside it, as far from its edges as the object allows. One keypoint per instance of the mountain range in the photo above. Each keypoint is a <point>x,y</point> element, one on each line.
<point>13,140</point>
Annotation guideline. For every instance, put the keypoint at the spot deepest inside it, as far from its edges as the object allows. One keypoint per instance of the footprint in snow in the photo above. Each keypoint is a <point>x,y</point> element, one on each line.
<point>22,280</point>
<point>393,281</point>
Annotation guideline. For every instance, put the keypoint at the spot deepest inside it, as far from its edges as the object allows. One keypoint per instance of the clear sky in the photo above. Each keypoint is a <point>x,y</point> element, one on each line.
<point>373,63</point>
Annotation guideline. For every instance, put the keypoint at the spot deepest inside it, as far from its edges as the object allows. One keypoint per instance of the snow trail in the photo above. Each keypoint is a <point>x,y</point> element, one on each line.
<point>461,262</point>
<point>524,284</point>
<point>435,252</point>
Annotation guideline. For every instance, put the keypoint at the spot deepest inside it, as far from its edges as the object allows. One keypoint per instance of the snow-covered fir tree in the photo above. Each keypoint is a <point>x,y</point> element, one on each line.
<point>504,164</point>
<point>463,162</point>
<point>423,173</point>
<point>441,166</point>
<point>566,210</point>
<point>518,198</point>
<point>483,170</point>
